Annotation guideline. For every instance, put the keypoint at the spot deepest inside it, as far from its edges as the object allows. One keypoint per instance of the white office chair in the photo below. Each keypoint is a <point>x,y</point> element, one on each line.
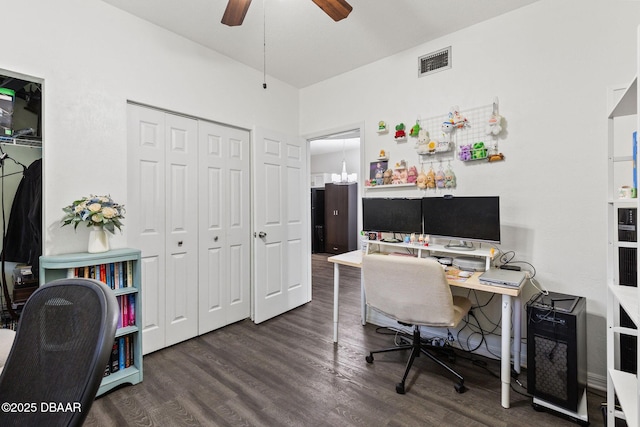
<point>414,292</point>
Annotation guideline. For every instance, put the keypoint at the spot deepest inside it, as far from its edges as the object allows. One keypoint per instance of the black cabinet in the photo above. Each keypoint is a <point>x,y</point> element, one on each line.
<point>340,217</point>
<point>317,220</point>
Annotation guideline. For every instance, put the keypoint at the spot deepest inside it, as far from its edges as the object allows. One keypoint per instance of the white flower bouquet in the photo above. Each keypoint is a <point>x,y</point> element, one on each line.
<point>96,211</point>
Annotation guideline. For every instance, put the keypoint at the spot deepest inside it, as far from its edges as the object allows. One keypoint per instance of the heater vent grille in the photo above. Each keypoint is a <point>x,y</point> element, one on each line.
<point>434,62</point>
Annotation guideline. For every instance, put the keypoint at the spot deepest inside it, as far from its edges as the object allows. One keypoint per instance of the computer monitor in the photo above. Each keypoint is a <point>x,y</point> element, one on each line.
<point>465,219</point>
<point>392,215</point>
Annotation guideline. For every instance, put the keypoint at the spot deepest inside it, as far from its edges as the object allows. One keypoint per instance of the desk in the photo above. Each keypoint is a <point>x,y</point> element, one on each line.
<point>510,302</point>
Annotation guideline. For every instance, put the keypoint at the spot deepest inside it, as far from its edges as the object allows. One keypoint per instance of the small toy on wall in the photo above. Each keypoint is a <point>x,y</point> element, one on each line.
<point>415,129</point>
<point>464,153</point>
<point>412,175</point>
<point>395,179</point>
<point>400,134</point>
<point>421,180</point>
<point>494,128</point>
<point>382,127</point>
<point>431,178</point>
<point>383,155</point>
<point>401,170</point>
<point>423,145</point>
<point>457,118</point>
<point>447,130</point>
<point>439,178</point>
<point>449,178</point>
<point>386,177</point>
<point>494,125</point>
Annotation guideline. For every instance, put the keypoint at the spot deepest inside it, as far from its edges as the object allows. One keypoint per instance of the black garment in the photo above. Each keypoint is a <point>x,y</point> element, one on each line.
<point>23,239</point>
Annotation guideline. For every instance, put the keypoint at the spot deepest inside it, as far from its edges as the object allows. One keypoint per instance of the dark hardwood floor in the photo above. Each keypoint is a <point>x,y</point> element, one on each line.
<point>288,372</point>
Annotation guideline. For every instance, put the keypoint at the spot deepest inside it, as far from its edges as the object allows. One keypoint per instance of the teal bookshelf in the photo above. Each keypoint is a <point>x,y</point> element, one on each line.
<point>126,286</point>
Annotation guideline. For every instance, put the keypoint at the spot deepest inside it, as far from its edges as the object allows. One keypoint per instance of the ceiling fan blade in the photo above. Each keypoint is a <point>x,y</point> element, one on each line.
<point>336,9</point>
<point>235,12</point>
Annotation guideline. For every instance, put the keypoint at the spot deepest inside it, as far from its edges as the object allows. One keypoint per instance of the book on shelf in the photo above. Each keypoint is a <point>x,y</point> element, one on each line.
<point>127,305</point>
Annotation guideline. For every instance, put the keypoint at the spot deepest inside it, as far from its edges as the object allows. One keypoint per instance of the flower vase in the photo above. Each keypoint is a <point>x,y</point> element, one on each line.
<point>98,240</point>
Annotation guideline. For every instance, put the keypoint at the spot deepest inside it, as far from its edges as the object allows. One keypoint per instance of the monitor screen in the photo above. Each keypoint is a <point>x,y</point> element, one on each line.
<point>462,218</point>
<point>393,215</point>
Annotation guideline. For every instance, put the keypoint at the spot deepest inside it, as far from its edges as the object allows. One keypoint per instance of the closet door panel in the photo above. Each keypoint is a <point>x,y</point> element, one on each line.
<point>146,219</point>
<point>224,227</point>
<point>181,228</point>
<point>238,227</point>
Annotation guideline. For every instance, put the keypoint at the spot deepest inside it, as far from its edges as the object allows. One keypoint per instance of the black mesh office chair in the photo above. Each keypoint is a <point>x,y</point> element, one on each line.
<point>414,292</point>
<point>63,342</point>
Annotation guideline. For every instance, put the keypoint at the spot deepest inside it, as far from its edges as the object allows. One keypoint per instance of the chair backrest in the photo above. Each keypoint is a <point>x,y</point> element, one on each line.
<point>408,289</point>
<point>62,346</point>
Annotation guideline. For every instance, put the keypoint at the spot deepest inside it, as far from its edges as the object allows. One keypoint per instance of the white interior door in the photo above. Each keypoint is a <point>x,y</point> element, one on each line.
<point>162,168</point>
<point>281,242</point>
<point>181,228</point>
<point>224,227</point>
<point>146,215</point>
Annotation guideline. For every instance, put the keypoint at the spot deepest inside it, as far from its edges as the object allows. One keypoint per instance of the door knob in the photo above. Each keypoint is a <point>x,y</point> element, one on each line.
<point>262,234</point>
<point>180,243</point>
<point>215,239</point>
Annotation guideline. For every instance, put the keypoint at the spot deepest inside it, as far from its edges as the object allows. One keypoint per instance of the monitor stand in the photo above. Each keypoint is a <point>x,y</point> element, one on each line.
<point>461,246</point>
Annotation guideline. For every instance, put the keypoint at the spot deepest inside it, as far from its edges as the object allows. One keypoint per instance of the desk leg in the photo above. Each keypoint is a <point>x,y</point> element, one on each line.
<point>363,302</point>
<point>336,289</point>
<point>505,371</point>
<point>517,333</point>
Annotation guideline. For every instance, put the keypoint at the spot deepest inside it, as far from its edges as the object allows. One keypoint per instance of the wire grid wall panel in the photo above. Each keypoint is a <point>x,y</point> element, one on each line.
<point>472,133</point>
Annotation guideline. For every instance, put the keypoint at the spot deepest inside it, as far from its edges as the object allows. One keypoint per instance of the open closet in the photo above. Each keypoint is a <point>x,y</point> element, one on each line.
<point>20,191</point>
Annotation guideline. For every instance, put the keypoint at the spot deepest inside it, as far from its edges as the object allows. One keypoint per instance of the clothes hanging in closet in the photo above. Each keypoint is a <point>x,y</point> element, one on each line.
<point>23,241</point>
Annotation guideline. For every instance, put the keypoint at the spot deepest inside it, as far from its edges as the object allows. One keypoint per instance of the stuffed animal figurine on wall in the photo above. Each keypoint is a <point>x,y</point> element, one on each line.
<point>412,175</point>
<point>415,130</point>
<point>400,133</point>
<point>396,177</point>
<point>459,121</point>
<point>440,178</point>
<point>386,177</point>
<point>449,178</point>
<point>431,178</point>
<point>422,147</point>
<point>494,125</point>
<point>464,153</point>
<point>421,181</point>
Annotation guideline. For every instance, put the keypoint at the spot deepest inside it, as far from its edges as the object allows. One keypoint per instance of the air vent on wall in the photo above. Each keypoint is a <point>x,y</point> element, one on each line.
<point>434,62</point>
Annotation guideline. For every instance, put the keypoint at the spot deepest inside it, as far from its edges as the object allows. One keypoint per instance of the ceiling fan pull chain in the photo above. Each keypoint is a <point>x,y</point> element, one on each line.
<point>264,46</point>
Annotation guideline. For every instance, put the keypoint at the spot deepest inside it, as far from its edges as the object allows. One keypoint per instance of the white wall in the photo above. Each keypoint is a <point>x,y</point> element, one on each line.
<point>550,64</point>
<point>93,59</point>
<point>332,162</point>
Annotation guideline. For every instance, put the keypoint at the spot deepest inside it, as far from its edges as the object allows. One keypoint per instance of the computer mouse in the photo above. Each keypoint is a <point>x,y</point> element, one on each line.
<point>465,274</point>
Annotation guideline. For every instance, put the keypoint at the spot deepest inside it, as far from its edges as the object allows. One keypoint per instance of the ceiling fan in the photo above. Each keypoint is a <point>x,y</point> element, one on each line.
<point>237,9</point>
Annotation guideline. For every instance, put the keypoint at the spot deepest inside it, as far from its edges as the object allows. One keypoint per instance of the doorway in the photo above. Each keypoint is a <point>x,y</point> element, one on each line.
<point>333,157</point>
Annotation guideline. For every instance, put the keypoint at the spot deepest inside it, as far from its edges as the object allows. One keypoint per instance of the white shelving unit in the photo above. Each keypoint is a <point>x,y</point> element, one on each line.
<point>620,384</point>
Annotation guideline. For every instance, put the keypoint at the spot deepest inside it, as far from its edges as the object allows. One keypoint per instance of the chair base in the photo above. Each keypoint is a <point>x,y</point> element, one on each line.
<point>417,348</point>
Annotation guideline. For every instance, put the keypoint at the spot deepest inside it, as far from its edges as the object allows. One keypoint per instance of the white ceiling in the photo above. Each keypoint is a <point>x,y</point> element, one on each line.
<point>303,45</point>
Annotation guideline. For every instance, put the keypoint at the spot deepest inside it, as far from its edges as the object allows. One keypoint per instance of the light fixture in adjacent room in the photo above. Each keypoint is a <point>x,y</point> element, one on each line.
<point>343,178</point>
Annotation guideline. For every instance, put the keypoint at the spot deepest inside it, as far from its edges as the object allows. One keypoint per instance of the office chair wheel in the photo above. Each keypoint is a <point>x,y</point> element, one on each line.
<point>460,388</point>
<point>369,358</point>
<point>400,388</point>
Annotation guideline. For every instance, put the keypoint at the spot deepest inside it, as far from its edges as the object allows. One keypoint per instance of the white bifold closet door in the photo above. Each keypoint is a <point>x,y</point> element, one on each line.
<point>182,172</point>
<point>224,226</point>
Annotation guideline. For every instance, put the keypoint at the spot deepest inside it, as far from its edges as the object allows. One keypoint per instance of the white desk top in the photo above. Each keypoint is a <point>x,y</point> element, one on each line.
<point>354,259</point>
